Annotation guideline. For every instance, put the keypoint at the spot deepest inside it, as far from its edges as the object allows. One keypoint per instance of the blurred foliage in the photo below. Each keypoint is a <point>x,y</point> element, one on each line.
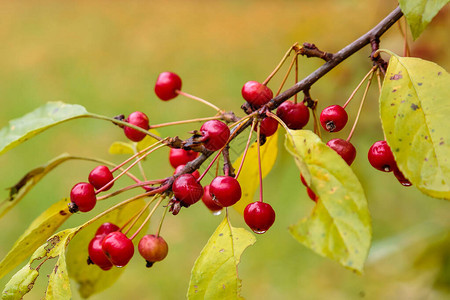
<point>106,56</point>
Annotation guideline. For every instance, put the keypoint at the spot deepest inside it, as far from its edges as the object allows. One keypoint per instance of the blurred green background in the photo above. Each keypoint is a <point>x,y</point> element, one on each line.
<point>106,55</point>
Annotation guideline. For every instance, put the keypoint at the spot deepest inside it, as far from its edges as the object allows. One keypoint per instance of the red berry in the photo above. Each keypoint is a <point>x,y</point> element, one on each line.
<point>259,216</point>
<point>118,248</point>
<point>225,190</point>
<point>268,126</point>
<point>215,134</point>
<point>83,195</point>
<point>167,85</point>
<point>295,115</point>
<point>196,173</point>
<point>302,179</point>
<point>106,228</point>
<point>100,176</point>
<point>186,189</point>
<point>96,254</point>
<point>401,178</point>
<point>181,157</point>
<point>139,119</point>
<point>311,194</point>
<point>209,202</point>
<point>333,118</point>
<point>381,158</point>
<point>153,248</point>
<point>256,93</point>
<point>344,148</point>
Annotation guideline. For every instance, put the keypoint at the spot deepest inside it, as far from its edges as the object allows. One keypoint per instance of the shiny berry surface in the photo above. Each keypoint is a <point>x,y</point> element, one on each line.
<point>345,149</point>
<point>100,176</point>
<point>381,158</point>
<point>83,195</point>
<point>256,93</point>
<point>209,202</point>
<point>196,173</point>
<point>295,116</point>
<point>96,254</point>
<point>153,248</point>
<point>181,157</point>
<point>215,134</point>
<point>106,228</point>
<point>186,188</point>
<point>259,216</point>
<point>333,118</point>
<point>268,126</point>
<point>225,190</point>
<point>138,119</point>
<point>167,85</point>
<point>118,248</point>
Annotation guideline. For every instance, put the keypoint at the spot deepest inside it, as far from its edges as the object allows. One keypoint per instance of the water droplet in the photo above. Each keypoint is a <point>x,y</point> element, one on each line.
<point>259,231</point>
<point>217,212</point>
<point>406,183</point>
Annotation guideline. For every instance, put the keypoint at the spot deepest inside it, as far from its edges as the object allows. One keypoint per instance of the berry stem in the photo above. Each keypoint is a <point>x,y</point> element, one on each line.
<point>185,122</point>
<point>148,218</point>
<point>360,106</point>
<point>135,218</point>
<point>359,85</point>
<point>379,81</point>
<point>199,100</point>
<point>130,187</point>
<point>287,74</point>
<point>141,168</point>
<point>296,76</point>
<point>316,123</point>
<point>280,64</point>
<point>258,134</point>
<point>162,220</point>
<point>246,149</point>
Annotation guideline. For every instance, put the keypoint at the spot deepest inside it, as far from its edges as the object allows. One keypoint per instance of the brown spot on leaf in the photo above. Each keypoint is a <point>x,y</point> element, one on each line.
<point>394,90</point>
<point>441,143</point>
<point>396,76</point>
<point>419,83</point>
<point>62,213</point>
<point>439,73</point>
<point>414,106</point>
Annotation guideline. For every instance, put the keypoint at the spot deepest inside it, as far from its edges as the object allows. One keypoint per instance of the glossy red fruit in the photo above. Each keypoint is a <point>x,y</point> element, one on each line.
<point>333,118</point>
<point>225,190</point>
<point>209,202</point>
<point>83,196</point>
<point>139,119</point>
<point>215,134</point>
<point>259,216</point>
<point>153,248</point>
<point>96,254</point>
<point>268,126</point>
<point>344,148</point>
<point>311,194</point>
<point>295,116</point>
<point>401,178</point>
<point>256,94</point>
<point>106,228</point>
<point>100,176</point>
<point>381,158</point>
<point>186,189</point>
<point>118,248</point>
<point>167,85</point>
<point>181,157</point>
<point>196,173</point>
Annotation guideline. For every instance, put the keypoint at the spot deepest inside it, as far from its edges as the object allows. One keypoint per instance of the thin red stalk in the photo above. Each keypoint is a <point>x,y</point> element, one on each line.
<point>359,85</point>
<point>246,149</point>
<point>258,131</point>
<point>162,220</point>
<point>130,187</point>
<point>134,155</point>
<point>200,100</point>
<point>141,213</point>
<point>147,219</point>
<point>277,68</point>
<point>185,122</point>
<point>287,75</point>
<point>296,76</point>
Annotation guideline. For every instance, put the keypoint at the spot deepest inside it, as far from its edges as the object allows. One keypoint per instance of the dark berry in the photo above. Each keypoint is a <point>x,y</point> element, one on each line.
<point>344,148</point>
<point>215,134</point>
<point>196,173</point>
<point>401,178</point>
<point>106,228</point>
<point>153,248</point>
<point>181,157</point>
<point>118,248</point>
<point>268,126</point>
<point>256,93</point>
<point>209,202</point>
<point>167,85</point>
<point>100,176</point>
<point>186,189</point>
<point>381,158</point>
<point>96,254</point>
<point>259,216</point>
<point>294,115</point>
<point>138,119</point>
<point>83,196</point>
<point>311,194</point>
<point>333,118</point>
<point>225,190</point>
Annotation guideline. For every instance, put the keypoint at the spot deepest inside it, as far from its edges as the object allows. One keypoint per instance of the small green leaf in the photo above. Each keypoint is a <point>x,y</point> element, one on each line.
<point>58,282</point>
<point>414,109</point>
<point>21,283</point>
<point>121,148</point>
<point>90,278</point>
<point>214,275</point>
<point>36,234</point>
<point>21,129</point>
<point>249,176</point>
<point>419,13</point>
<point>339,226</point>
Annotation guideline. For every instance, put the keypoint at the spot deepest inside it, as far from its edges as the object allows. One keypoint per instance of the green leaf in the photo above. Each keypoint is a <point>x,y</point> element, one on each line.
<point>249,176</point>
<point>20,284</point>
<point>90,278</point>
<point>36,234</point>
<point>58,282</point>
<point>414,109</point>
<point>44,117</point>
<point>214,275</point>
<point>339,226</point>
<point>419,13</point>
